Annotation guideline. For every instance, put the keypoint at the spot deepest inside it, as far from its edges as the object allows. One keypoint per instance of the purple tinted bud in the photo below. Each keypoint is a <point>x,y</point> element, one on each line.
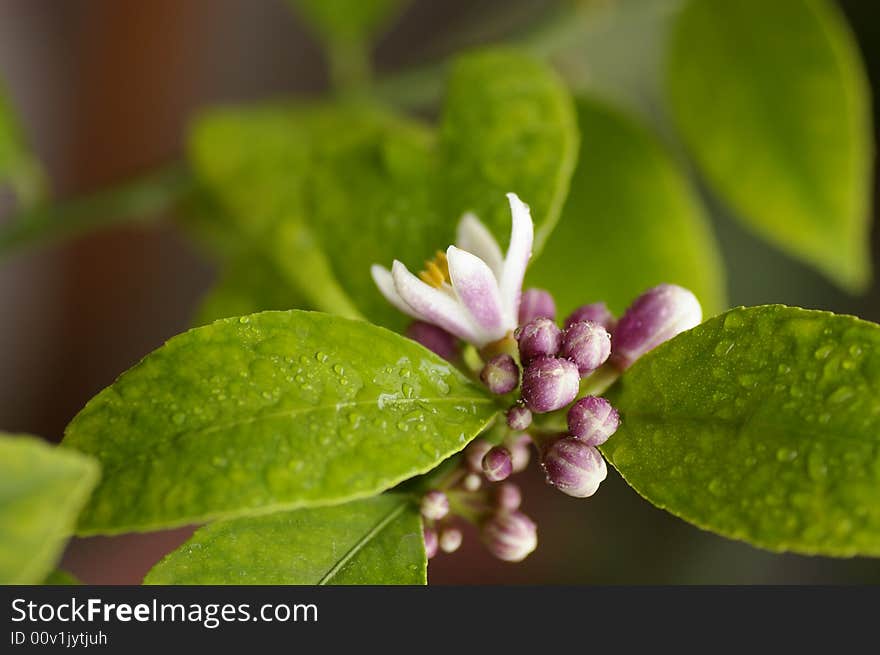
<point>510,535</point>
<point>430,542</point>
<point>536,303</point>
<point>475,452</point>
<point>656,316</point>
<point>596,312</point>
<point>508,496</point>
<point>434,339</point>
<point>520,452</point>
<point>549,384</point>
<point>500,374</point>
<point>573,467</point>
<point>450,540</point>
<point>519,418</point>
<point>586,344</point>
<point>538,338</point>
<point>435,505</point>
<point>592,420</point>
<point>472,482</point>
<point>497,464</point>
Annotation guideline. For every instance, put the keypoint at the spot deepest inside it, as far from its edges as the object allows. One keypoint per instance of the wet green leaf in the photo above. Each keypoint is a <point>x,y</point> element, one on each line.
<point>42,489</point>
<point>372,541</point>
<point>772,101</point>
<point>274,411</point>
<point>761,424</point>
<point>631,221</point>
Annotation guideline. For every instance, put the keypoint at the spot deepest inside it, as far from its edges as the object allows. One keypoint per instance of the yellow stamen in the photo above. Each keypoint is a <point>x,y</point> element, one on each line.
<point>436,271</point>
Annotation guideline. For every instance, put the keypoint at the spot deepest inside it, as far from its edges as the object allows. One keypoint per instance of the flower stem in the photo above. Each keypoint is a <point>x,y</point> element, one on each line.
<point>138,200</point>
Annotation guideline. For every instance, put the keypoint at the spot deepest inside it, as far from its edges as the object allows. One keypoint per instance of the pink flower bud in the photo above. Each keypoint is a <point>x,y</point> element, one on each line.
<point>430,542</point>
<point>435,505</point>
<point>549,384</point>
<point>656,316</point>
<point>450,540</point>
<point>520,447</point>
<point>519,418</point>
<point>596,312</point>
<point>592,420</point>
<point>435,339</point>
<point>475,452</point>
<point>500,374</point>
<point>536,303</point>
<point>586,344</point>
<point>538,338</point>
<point>508,496</point>
<point>573,467</point>
<point>497,464</point>
<point>510,535</point>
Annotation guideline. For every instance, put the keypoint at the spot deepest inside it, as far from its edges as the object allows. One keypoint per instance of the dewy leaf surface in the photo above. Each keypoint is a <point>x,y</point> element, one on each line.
<point>773,102</point>
<point>631,221</point>
<point>273,411</point>
<point>372,541</point>
<point>762,424</point>
<point>42,488</point>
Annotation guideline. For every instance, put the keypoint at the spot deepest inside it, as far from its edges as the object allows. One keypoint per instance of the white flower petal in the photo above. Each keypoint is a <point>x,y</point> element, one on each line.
<point>382,278</point>
<point>475,238</point>
<point>434,306</point>
<point>522,235</point>
<point>477,289</point>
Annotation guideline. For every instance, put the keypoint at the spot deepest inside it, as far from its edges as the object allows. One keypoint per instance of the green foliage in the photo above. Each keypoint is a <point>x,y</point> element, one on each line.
<point>761,425</point>
<point>326,191</point>
<point>42,489</point>
<point>18,167</point>
<point>274,411</point>
<point>772,101</point>
<point>630,222</point>
<point>508,125</point>
<point>59,577</point>
<point>346,20</point>
<point>372,541</point>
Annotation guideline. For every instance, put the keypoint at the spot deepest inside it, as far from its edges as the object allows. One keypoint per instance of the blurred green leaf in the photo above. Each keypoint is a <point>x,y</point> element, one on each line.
<point>772,101</point>
<point>248,284</point>
<point>374,541</point>
<point>18,167</point>
<point>761,425</point>
<point>59,577</point>
<point>631,221</point>
<point>347,20</point>
<point>42,489</point>
<point>273,411</point>
<point>508,125</point>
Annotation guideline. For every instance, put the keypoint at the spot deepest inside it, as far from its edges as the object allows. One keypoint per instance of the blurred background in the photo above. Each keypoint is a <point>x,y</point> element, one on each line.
<point>106,89</point>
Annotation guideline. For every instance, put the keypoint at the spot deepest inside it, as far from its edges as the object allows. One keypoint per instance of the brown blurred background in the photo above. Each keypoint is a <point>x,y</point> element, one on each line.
<point>106,88</point>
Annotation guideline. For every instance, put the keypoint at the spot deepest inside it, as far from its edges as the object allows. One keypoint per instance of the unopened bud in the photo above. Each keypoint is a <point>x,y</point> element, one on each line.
<point>497,464</point>
<point>538,338</point>
<point>475,452</point>
<point>450,540</point>
<point>536,303</point>
<point>508,496</point>
<point>430,542</point>
<point>472,482</point>
<point>587,344</point>
<point>500,374</point>
<point>573,467</point>
<point>549,384</point>
<point>434,339</point>
<point>519,418</point>
<point>592,420</point>
<point>596,312</point>
<point>510,535</point>
<point>656,316</point>
<point>435,505</point>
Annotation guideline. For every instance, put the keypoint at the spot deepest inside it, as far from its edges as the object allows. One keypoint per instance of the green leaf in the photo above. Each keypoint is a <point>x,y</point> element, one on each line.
<point>274,411</point>
<point>18,167</point>
<point>762,424</point>
<point>59,577</point>
<point>508,125</point>
<point>248,285</point>
<point>630,222</point>
<point>772,100</point>
<point>374,541</point>
<point>347,20</point>
<point>42,489</point>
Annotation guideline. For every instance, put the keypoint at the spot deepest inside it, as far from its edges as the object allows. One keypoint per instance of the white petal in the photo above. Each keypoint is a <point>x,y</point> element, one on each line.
<point>475,237</point>
<point>477,289</point>
<point>382,278</point>
<point>522,234</point>
<point>433,305</point>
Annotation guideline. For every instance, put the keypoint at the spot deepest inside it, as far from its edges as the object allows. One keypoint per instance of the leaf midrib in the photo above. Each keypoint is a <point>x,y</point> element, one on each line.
<point>363,541</point>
